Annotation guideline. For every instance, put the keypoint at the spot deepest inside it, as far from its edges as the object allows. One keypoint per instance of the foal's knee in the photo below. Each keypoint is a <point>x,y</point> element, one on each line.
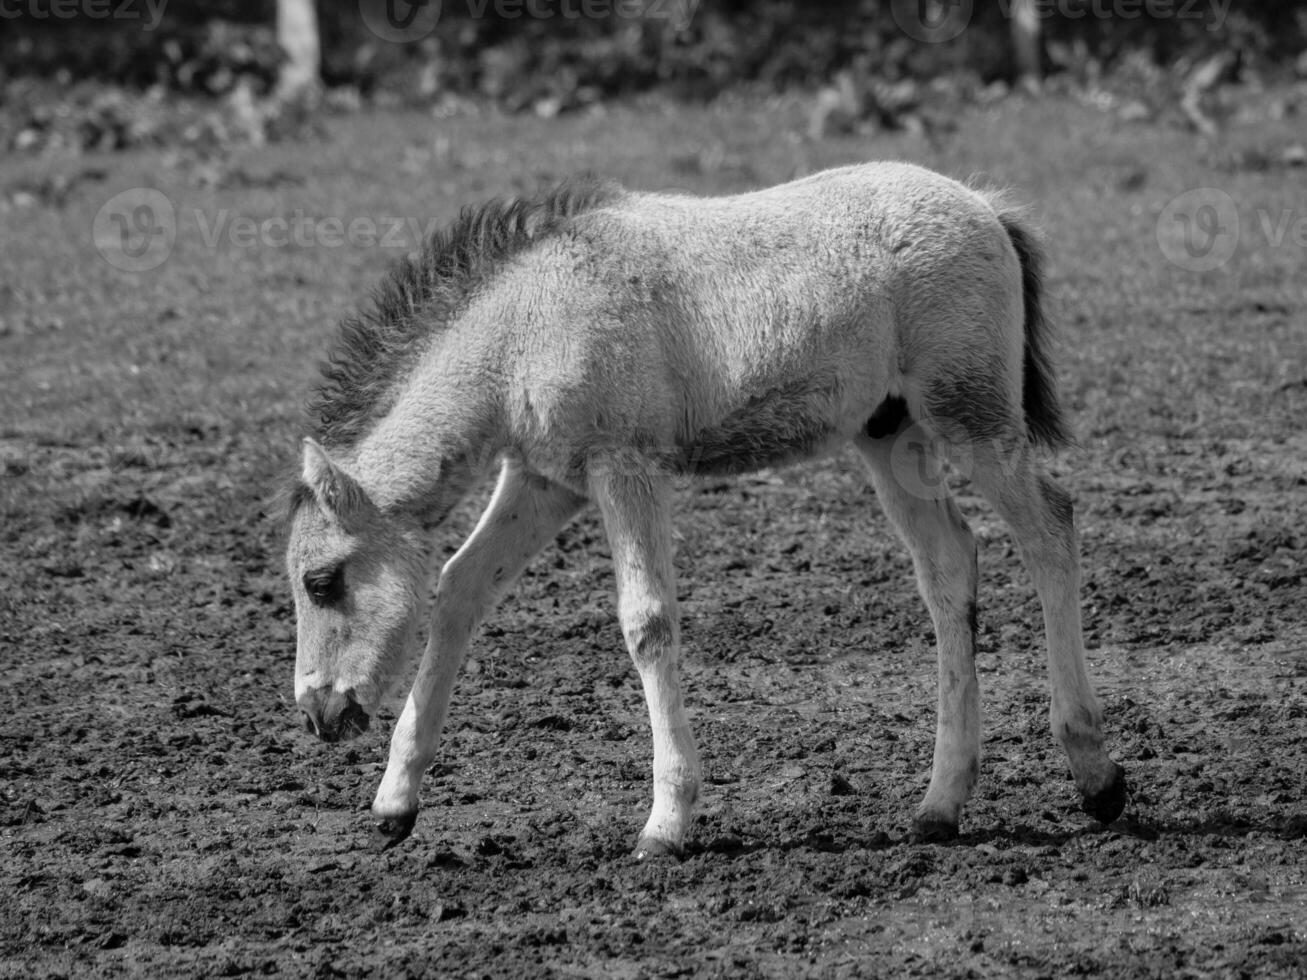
<point>650,633</point>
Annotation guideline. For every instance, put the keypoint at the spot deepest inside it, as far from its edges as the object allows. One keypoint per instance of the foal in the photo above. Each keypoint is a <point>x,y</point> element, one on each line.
<point>598,343</point>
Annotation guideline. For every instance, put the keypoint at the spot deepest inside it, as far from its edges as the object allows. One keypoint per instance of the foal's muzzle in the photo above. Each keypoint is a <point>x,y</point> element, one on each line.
<point>333,715</point>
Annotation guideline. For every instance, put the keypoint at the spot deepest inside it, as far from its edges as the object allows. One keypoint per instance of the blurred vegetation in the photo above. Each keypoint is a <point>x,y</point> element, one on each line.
<point>117,83</point>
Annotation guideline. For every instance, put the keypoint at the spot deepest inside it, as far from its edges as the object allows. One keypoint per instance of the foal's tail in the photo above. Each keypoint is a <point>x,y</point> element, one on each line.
<point>1044,419</point>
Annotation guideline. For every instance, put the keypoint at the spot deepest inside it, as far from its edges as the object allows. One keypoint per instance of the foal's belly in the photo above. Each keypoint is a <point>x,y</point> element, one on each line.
<point>781,426</point>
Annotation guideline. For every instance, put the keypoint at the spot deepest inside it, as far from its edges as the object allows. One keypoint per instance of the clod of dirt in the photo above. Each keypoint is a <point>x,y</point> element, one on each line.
<point>193,705</point>
<point>839,786</point>
<point>440,912</point>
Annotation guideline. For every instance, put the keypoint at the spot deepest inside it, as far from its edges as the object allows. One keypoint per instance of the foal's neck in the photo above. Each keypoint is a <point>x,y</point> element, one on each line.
<point>422,457</point>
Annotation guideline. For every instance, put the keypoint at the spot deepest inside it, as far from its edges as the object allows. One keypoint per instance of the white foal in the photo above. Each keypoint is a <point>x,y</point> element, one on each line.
<point>597,343</point>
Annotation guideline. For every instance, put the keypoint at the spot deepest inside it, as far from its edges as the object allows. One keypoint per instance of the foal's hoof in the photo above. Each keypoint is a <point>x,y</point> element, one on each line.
<point>930,829</point>
<point>392,831</point>
<point>651,849</point>
<point>1106,805</point>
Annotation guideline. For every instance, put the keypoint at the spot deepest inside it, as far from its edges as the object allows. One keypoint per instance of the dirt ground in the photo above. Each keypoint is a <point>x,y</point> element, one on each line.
<point>165,815</point>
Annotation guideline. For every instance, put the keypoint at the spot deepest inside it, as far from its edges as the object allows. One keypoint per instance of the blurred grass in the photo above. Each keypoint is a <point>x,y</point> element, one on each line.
<point>230,334</point>
<point>146,420</point>
<point>187,381</point>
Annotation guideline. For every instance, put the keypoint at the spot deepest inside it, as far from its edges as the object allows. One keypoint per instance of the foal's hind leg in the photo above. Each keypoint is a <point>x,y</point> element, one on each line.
<point>1039,512</point>
<point>636,513</point>
<point>944,555</point>
<point>524,515</point>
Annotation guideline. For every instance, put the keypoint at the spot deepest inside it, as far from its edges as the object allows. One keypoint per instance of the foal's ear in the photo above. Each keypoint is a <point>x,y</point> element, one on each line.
<point>334,489</point>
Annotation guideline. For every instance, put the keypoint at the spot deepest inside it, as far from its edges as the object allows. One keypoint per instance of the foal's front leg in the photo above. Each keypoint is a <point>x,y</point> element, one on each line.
<point>524,515</point>
<point>636,513</point>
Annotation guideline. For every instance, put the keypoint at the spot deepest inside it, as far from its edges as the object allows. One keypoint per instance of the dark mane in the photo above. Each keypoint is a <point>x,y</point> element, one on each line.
<point>421,294</point>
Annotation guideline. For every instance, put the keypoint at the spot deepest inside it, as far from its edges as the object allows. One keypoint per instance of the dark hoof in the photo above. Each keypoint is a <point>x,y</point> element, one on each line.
<point>392,831</point>
<point>933,830</point>
<point>651,849</point>
<point>1106,805</point>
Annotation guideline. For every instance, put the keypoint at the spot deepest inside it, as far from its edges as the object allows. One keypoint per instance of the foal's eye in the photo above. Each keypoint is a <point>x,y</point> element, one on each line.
<point>325,588</point>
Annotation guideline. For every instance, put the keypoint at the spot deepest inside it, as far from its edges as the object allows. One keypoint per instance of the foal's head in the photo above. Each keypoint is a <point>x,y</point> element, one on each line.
<point>357,575</point>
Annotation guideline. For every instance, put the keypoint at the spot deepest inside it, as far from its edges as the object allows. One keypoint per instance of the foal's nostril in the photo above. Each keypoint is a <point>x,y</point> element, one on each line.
<point>333,716</point>
<point>353,716</point>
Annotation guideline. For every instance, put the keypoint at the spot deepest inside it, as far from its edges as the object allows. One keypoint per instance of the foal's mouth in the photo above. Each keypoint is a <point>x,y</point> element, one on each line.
<point>351,722</point>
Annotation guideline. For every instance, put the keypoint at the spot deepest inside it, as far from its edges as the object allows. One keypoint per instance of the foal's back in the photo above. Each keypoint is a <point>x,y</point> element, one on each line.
<point>743,331</point>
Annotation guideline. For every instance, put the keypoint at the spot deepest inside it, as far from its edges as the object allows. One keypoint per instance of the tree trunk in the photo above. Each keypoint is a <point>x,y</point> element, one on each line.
<point>297,33</point>
<point>1026,46</point>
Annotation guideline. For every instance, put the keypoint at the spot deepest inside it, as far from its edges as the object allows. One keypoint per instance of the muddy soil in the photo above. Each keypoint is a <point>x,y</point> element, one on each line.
<point>165,815</point>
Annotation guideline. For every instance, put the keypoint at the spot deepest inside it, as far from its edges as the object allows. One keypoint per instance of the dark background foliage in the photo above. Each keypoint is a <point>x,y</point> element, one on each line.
<point>209,48</point>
